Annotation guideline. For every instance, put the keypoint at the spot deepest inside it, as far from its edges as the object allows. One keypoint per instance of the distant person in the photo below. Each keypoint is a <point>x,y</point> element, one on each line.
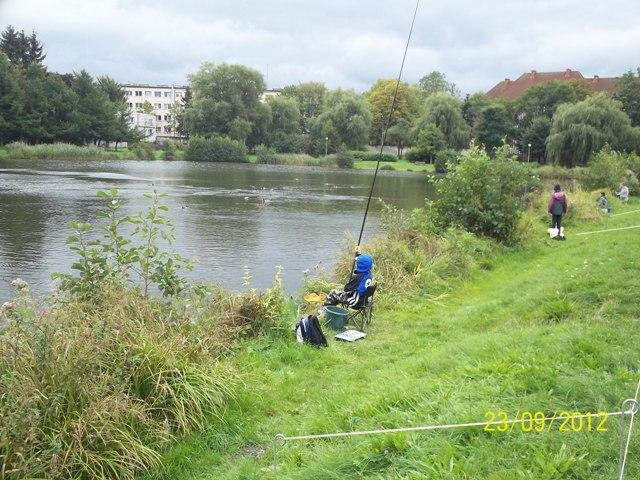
<point>603,203</point>
<point>354,293</point>
<point>557,207</point>
<point>623,194</point>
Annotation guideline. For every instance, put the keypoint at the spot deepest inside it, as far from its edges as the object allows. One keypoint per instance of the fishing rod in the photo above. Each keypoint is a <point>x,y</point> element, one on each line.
<point>388,121</point>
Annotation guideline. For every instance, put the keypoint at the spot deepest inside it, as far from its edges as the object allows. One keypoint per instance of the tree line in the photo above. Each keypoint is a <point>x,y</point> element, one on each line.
<point>38,106</point>
<point>558,122</point>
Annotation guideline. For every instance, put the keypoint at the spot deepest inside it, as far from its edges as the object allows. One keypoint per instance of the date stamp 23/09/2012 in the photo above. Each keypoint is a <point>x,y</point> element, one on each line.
<point>543,422</point>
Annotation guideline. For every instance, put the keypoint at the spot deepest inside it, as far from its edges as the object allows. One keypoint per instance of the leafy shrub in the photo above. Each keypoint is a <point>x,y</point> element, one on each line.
<point>388,167</point>
<point>114,257</point>
<point>170,150</point>
<point>215,149</point>
<point>144,151</point>
<point>413,155</point>
<point>266,155</point>
<point>445,157</point>
<point>291,142</point>
<point>556,173</point>
<point>484,195</point>
<point>607,169</point>
<point>344,159</point>
<point>368,156</point>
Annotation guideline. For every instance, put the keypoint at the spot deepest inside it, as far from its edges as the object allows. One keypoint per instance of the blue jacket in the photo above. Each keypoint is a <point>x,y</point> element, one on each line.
<point>361,275</point>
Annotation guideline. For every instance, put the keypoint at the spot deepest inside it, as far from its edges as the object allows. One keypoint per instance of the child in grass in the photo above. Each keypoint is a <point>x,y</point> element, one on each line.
<point>603,203</point>
<point>354,292</point>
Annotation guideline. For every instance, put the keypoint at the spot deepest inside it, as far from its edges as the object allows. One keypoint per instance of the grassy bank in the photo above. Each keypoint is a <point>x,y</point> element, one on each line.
<point>551,327</point>
<point>63,151</point>
<point>400,165</point>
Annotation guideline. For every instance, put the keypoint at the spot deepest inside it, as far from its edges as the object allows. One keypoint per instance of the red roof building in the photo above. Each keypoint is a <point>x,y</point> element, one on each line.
<point>512,89</point>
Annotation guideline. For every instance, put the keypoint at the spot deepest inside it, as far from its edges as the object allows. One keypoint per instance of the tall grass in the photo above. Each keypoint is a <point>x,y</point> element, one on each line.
<point>96,390</point>
<point>62,151</point>
<point>297,159</point>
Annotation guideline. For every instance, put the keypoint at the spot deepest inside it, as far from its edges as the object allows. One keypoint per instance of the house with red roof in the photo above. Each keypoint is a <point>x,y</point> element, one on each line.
<point>512,89</point>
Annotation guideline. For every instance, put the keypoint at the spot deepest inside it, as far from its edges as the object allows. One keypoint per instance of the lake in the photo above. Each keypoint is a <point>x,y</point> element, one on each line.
<point>228,216</point>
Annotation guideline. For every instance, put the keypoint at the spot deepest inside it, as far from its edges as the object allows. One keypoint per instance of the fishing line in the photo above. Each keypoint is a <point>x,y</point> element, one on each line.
<point>388,120</point>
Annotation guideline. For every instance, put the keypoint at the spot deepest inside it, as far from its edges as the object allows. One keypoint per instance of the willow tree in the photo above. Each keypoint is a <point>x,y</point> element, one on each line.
<point>445,112</point>
<point>578,130</point>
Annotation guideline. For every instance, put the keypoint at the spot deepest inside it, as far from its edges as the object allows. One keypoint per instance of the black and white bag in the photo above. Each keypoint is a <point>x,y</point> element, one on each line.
<point>308,330</point>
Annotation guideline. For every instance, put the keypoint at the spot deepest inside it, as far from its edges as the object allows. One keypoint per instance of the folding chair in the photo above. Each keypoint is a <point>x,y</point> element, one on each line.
<point>361,317</point>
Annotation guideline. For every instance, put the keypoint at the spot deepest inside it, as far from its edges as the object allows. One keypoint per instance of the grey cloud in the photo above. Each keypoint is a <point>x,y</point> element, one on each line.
<point>342,43</point>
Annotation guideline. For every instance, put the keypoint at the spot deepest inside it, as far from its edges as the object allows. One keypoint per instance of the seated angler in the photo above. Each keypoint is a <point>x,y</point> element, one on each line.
<point>354,293</point>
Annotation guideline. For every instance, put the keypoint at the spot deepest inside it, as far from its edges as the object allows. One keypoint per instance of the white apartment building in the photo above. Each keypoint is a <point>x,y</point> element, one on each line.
<point>161,98</point>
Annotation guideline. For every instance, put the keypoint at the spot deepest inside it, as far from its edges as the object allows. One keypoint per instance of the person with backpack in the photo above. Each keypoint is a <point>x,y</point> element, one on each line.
<point>557,207</point>
<point>354,293</point>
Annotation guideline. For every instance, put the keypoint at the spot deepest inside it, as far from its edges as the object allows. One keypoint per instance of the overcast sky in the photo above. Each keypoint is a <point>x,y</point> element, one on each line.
<point>346,43</point>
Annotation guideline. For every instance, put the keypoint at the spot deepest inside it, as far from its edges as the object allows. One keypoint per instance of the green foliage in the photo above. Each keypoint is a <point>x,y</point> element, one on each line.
<point>436,82</point>
<point>380,97</point>
<point>118,259</point>
<point>170,150</point>
<point>429,141</point>
<point>542,101</point>
<point>444,111</point>
<point>215,149</point>
<point>493,126</point>
<point>445,159</point>
<point>628,94</point>
<point>345,122</point>
<point>370,156</point>
<point>310,97</point>
<point>344,159</point>
<point>535,134</point>
<point>285,115</point>
<point>472,106</point>
<point>581,129</point>
<point>143,151</point>
<point>96,390</point>
<point>226,101</point>
<point>21,49</point>
<point>291,142</point>
<point>483,195</point>
<point>607,169</point>
<point>400,135</point>
<point>62,151</point>
<point>266,155</point>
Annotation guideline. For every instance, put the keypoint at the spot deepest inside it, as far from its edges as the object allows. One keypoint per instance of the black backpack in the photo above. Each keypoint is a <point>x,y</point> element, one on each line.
<point>308,329</point>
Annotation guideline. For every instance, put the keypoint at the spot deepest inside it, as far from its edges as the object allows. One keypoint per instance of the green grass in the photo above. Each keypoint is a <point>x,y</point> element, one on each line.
<point>552,327</point>
<point>3,152</point>
<point>402,165</point>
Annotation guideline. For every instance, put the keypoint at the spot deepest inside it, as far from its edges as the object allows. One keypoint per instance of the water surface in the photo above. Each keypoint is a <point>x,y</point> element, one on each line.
<point>228,216</point>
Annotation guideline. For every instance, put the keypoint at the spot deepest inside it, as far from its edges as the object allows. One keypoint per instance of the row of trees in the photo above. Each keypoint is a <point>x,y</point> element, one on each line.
<point>564,122</point>
<point>37,106</point>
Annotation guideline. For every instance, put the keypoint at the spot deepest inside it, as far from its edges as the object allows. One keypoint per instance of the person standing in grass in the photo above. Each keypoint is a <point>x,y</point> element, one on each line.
<point>603,203</point>
<point>557,207</point>
<point>623,194</point>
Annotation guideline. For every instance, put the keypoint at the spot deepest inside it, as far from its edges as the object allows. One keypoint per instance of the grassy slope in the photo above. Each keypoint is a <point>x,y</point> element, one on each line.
<point>492,344</point>
<point>403,165</point>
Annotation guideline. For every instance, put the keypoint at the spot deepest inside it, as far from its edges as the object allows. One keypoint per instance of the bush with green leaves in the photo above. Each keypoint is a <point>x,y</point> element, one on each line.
<point>607,169</point>
<point>125,259</point>
<point>144,151</point>
<point>266,155</point>
<point>344,159</point>
<point>170,150</point>
<point>484,195</point>
<point>444,158</point>
<point>367,156</point>
<point>215,149</point>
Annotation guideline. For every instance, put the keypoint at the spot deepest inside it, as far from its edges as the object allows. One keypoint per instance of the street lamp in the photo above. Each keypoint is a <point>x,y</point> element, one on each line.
<point>529,154</point>
<point>326,145</point>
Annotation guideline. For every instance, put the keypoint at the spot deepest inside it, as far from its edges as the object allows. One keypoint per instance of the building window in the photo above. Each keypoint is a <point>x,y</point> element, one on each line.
<point>167,118</point>
<point>167,129</point>
<point>138,105</point>
<point>158,117</point>
<point>158,129</point>
<point>138,93</point>
<point>147,93</point>
<point>157,105</point>
<point>128,93</point>
<point>178,94</point>
<point>130,105</point>
<point>167,94</point>
<point>167,106</point>
<point>158,94</point>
